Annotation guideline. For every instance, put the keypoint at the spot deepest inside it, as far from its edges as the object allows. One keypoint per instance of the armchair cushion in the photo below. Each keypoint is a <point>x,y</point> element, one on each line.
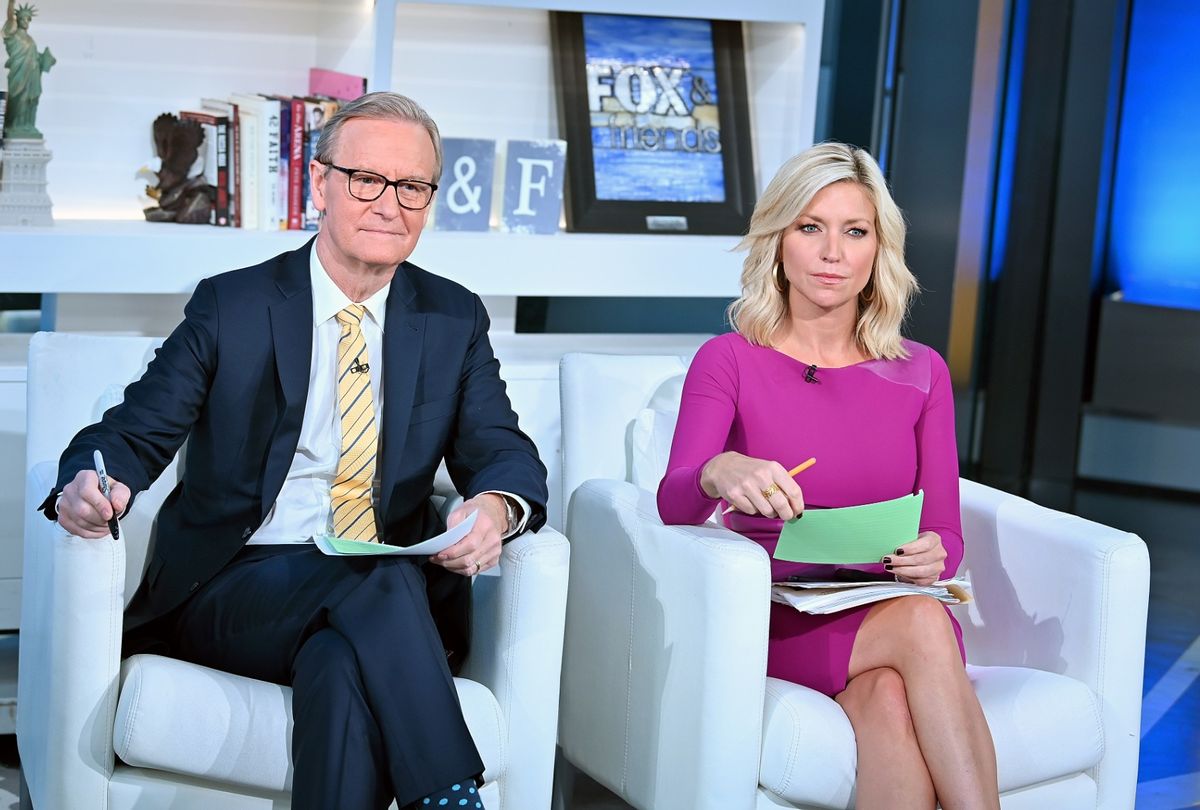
<point>188,719</point>
<point>1045,726</point>
<point>239,730</point>
<point>808,749</point>
<point>651,434</point>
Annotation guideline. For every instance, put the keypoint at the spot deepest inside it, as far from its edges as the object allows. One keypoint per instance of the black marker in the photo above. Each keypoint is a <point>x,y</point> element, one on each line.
<point>104,488</point>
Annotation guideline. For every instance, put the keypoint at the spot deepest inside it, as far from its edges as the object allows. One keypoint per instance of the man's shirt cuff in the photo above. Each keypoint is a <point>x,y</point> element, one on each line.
<point>522,506</point>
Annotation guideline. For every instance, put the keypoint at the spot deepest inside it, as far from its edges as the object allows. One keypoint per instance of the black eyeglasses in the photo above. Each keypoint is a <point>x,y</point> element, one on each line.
<point>365,186</point>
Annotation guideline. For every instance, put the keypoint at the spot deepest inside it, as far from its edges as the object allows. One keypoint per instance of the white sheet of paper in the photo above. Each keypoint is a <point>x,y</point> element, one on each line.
<point>330,545</point>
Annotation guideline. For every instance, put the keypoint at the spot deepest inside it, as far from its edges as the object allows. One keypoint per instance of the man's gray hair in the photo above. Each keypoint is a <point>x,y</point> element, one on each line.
<point>384,106</point>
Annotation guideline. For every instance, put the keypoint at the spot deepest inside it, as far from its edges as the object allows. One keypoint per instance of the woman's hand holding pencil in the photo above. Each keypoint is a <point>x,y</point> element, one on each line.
<point>754,486</point>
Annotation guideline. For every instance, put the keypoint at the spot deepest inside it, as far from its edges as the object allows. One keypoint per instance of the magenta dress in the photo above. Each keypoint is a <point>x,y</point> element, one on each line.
<point>878,429</point>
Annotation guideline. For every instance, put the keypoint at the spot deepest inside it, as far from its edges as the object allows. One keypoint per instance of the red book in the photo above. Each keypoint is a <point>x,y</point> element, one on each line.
<point>297,168</point>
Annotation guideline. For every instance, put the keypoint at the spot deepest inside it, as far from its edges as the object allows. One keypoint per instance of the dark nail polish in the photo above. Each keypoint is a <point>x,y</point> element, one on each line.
<point>888,567</point>
<point>887,560</point>
<point>900,551</point>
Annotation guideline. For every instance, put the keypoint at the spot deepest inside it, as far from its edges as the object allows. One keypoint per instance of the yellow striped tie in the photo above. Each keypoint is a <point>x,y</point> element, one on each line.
<point>353,514</point>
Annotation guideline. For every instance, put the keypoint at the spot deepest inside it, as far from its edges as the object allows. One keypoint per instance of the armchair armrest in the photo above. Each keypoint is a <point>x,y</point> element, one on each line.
<point>1057,592</point>
<point>664,670</point>
<point>516,651</point>
<point>72,602</point>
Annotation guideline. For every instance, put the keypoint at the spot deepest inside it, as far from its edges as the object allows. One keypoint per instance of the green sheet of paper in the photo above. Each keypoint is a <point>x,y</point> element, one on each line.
<point>337,547</point>
<point>340,547</point>
<point>853,534</point>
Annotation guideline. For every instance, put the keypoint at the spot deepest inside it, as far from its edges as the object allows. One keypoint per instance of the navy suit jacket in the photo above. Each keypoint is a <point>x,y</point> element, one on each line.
<point>232,380</point>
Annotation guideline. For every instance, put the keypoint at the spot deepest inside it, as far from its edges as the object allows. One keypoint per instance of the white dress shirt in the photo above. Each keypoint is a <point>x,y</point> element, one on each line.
<point>302,510</point>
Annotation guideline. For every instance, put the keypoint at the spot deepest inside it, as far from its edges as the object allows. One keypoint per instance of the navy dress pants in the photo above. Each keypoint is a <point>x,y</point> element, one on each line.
<point>374,708</point>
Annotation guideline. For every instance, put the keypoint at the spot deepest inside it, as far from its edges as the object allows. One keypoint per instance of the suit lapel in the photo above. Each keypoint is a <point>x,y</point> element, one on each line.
<point>403,342</point>
<point>292,335</point>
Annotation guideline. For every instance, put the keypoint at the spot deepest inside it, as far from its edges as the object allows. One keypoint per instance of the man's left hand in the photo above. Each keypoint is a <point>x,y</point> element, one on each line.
<point>480,549</point>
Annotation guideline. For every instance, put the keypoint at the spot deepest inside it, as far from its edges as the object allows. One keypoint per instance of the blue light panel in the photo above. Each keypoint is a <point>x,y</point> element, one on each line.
<point>1153,253</point>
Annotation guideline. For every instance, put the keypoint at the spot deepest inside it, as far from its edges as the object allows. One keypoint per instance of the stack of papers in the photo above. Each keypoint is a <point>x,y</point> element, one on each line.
<point>832,596</point>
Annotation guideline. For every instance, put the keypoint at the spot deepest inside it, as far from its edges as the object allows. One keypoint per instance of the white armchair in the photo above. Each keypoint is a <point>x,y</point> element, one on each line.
<point>665,698</point>
<point>96,732</point>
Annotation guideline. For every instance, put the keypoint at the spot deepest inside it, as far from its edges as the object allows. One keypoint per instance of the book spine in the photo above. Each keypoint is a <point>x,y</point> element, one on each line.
<point>313,120</point>
<point>268,189</point>
<point>235,168</point>
<point>222,211</point>
<point>285,160</point>
<point>228,111</point>
<point>210,164</point>
<point>316,113</point>
<point>297,168</point>
<point>249,153</point>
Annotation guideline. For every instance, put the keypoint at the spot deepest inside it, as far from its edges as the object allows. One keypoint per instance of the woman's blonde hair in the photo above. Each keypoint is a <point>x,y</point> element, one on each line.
<point>882,305</point>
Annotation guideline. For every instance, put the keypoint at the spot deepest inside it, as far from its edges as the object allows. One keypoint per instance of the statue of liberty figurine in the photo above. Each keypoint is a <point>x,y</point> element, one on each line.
<point>25,68</point>
<point>23,197</point>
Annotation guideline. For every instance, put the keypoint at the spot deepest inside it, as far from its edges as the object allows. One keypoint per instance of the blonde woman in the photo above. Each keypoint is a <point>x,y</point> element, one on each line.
<point>817,367</point>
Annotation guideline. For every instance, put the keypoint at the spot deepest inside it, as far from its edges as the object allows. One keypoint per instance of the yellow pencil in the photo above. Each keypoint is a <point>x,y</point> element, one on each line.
<point>792,473</point>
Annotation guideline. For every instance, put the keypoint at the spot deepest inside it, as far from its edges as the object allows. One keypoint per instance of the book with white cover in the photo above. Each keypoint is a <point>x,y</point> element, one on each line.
<point>266,149</point>
<point>248,150</point>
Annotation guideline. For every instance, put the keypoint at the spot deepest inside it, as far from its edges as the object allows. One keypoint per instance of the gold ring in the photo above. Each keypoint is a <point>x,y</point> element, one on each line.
<point>769,491</point>
<point>476,564</point>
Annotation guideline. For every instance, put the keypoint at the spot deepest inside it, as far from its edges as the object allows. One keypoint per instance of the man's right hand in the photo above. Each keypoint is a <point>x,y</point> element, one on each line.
<point>84,511</point>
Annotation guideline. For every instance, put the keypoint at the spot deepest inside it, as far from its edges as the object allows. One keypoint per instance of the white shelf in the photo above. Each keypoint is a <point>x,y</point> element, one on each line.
<point>749,10</point>
<point>451,49</point>
<point>123,257</point>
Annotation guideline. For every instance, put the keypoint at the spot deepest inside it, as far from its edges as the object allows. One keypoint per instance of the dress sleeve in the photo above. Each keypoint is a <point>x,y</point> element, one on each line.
<point>937,465</point>
<point>706,412</point>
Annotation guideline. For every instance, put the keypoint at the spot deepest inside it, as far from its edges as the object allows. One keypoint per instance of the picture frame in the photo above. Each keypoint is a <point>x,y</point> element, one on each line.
<point>654,111</point>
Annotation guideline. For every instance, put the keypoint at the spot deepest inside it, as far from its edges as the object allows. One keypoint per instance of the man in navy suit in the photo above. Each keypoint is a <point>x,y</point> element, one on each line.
<point>320,391</point>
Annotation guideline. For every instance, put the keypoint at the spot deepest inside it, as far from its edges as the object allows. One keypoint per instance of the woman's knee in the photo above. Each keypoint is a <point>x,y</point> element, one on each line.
<point>920,623</point>
<point>877,697</point>
<point>923,609</point>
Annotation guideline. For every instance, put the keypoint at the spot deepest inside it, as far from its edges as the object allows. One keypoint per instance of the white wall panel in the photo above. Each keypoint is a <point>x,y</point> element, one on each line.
<point>782,92</point>
<point>121,64</point>
<point>481,72</point>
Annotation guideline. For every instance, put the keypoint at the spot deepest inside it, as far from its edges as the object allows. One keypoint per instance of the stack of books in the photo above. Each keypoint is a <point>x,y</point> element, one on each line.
<point>257,148</point>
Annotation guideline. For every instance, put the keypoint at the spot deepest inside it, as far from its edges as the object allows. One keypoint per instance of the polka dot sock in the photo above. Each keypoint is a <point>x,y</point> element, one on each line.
<point>459,796</point>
